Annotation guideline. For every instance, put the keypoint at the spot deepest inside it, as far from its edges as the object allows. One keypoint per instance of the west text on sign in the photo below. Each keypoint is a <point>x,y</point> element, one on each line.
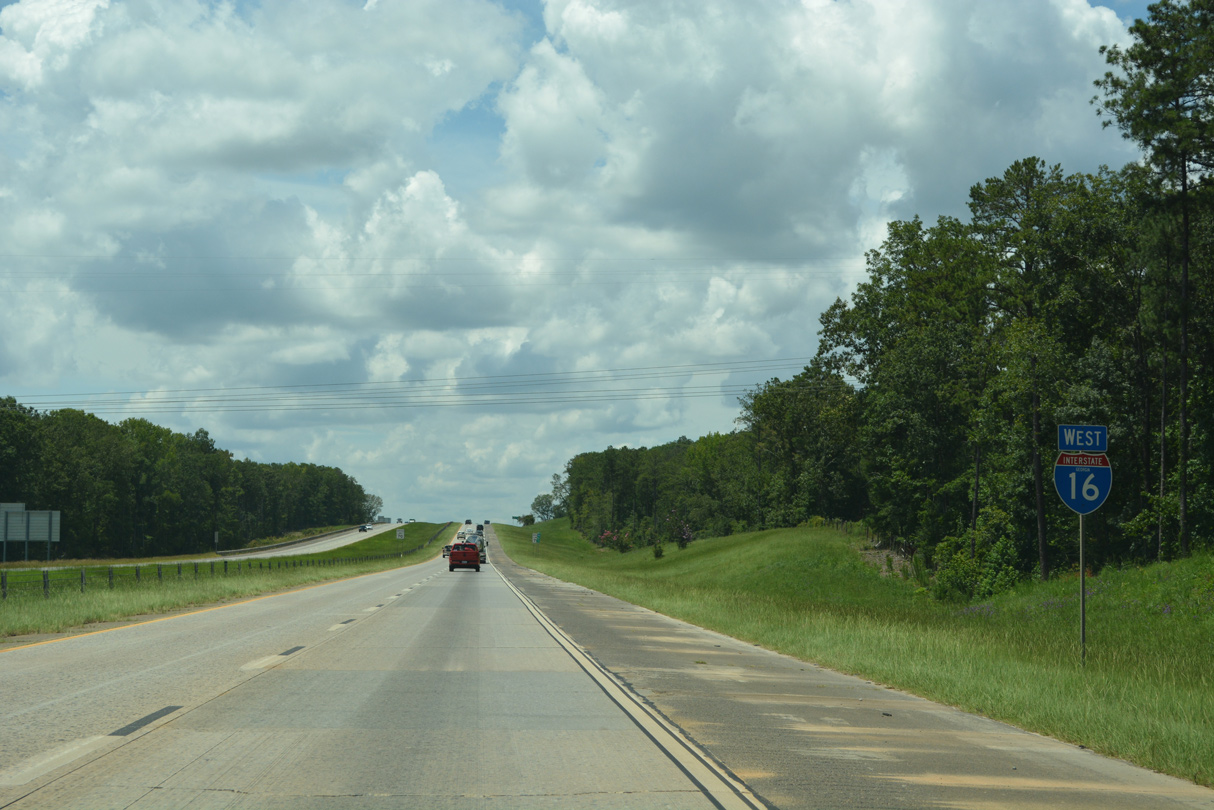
<point>1083,438</point>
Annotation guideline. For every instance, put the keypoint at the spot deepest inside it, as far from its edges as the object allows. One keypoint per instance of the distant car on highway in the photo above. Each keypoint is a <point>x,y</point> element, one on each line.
<point>447,550</point>
<point>468,522</point>
<point>366,527</point>
<point>475,538</point>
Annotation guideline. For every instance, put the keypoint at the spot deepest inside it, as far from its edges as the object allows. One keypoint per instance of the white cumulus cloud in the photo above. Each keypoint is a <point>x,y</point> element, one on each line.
<point>451,195</point>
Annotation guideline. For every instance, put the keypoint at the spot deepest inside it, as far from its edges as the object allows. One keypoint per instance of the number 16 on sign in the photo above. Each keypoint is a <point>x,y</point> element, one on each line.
<point>1083,478</point>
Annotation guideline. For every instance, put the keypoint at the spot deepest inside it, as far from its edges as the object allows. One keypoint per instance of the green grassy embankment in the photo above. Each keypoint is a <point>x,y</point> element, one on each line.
<point>1145,695</point>
<point>27,611</point>
<point>299,535</point>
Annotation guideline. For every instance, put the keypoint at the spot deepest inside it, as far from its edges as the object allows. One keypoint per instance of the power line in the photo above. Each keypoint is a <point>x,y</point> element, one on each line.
<point>544,389</point>
<point>223,282</point>
<point>723,366</point>
<point>586,271</point>
<point>415,258</point>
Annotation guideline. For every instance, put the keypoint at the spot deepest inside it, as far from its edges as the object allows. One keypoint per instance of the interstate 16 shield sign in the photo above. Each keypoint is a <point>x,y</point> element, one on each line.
<point>1083,480</point>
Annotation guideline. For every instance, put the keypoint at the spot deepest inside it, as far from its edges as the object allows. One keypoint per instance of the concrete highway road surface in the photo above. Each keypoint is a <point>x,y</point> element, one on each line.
<point>425,688</point>
<point>411,688</point>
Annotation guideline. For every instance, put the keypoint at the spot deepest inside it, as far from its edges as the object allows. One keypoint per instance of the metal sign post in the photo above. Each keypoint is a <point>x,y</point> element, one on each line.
<point>1083,478</point>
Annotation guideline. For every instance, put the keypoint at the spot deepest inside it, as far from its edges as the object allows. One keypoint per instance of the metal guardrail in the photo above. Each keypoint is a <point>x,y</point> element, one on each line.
<point>229,552</point>
<point>254,550</point>
<point>54,581</point>
<point>58,581</point>
<point>440,531</point>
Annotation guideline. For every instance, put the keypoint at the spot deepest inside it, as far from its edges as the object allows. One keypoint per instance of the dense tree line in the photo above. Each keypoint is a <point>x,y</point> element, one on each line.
<point>930,409</point>
<point>136,489</point>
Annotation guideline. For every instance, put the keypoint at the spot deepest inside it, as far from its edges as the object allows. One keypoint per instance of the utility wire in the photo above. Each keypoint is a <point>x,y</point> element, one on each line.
<point>536,390</point>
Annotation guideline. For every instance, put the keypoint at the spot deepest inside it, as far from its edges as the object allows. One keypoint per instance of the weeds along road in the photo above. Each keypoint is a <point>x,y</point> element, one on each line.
<point>416,687</point>
<point>420,687</point>
<point>335,541</point>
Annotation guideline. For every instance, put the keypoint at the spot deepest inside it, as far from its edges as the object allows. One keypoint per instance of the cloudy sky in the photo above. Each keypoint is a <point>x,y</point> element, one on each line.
<point>447,244</point>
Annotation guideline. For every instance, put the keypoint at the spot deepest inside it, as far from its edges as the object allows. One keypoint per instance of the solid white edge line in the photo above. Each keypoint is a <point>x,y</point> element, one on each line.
<point>720,786</point>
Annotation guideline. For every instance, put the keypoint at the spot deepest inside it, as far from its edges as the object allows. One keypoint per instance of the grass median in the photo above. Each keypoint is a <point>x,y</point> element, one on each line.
<point>1146,693</point>
<point>172,584</point>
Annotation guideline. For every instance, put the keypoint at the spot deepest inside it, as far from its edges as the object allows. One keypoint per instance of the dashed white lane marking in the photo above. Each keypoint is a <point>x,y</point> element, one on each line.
<point>36,766</point>
<point>262,663</point>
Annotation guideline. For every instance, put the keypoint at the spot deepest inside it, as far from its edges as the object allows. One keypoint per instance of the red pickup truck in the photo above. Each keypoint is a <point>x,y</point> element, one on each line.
<point>464,555</point>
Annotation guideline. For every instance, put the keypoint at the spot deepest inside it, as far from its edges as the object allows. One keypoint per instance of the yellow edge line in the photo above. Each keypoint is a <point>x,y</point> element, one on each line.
<point>195,612</point>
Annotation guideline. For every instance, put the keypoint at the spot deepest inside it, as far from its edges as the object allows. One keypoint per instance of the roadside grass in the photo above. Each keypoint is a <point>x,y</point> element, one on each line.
<point>27,611</point>
<point>299,535</point>
<point>1145,695</point>
<point>383,539</point>
<point>37,565</point>
<point>416,535</point>
<point>78,610</point>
